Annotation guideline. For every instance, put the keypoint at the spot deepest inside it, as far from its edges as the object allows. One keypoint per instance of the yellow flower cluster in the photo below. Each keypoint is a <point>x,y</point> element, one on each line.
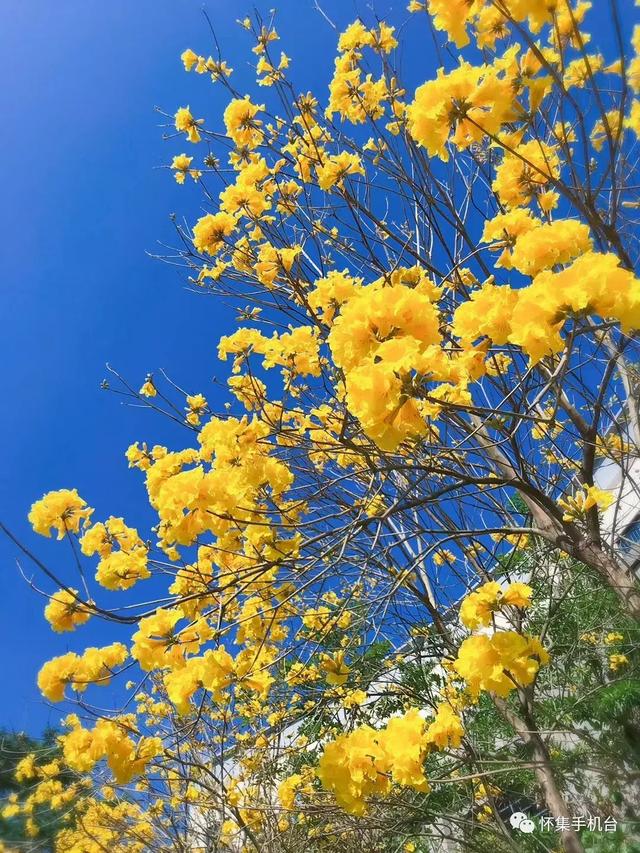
<point>531,246</point>
<point>274,264</point>
<point>336,168</point>
<point>477,609</point>
<point>110,739</point>
<point>335,669</point>
<point>387,339</point>
<point>462,106</point>
<point>148,389</point>
<point>525,172</point>
<point>352,97</point>
<point>217,69</point>
<point>118,826</point>
<point>576,506</point>
<point>93,666</point>
<point>157,646</point>
<point>250,194</point>
<point>446,729</point>
<point>65,611</point>
<point>210,231</point>
<point>324,619</point>
<point>500,663</point>
<point>367,762</point>
<point>272,74</point>
<point>214,671</point>
<point>243,128</point>
<point>331,292</point>
<point>532,317</point>
<point>633,76</point>
<point>617,661</point>
<point>123,554</point>
<point>378,339</point>
<point>296,351</point>
<point>181,164</point>
<point>505,660</point>
<point>249,390</point>
<point>44,788</point>
<point>362,763</point>
<point>489,21</point>
<point>63,511</point>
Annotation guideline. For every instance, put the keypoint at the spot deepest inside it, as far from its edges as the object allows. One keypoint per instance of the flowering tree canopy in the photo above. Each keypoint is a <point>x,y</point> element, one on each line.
<point>388,594</point>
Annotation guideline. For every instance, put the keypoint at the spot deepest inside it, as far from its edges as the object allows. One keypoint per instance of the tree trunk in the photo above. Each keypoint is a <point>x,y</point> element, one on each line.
<point>614,574</point>
<point>618,577</point>
<point>544,773</point>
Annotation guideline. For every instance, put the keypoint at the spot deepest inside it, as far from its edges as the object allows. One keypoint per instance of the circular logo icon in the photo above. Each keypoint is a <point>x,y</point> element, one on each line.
<point>516,819</point>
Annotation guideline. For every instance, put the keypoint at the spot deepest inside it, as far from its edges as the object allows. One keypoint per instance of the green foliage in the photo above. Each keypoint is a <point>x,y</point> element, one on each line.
<point>13,748</point>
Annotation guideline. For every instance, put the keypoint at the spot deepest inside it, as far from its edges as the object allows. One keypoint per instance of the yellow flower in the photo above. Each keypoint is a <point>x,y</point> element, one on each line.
<point>581,502</point>
<point>487,313</point>
<point>155,643</point>
<point>383,39</point>
<point>617,661</point>
<point>446,729</point>
<point>241,123</point>
<point>525,171</point>
<point>380,336</point>
<point>518,595</point>
<point>353,98</point>
<point>500,663</point>
<point>336,671</point>
<point>613,637</point>
<point>249,390</point>
<point>93,666</point>
<point>247,195</point>
<point>364,762</point>
<point>547,201</point>
<point>186,123</point>
<point>65,611</point>
<point>62,511</point>
<point>272,262</point>
<point>578,72</point>
<point>122,569</point>
<point>336,168</point>
<point>451,16</point>
<point>148,388</point>
<point>589,637</point>
<point>331,292</point>
<point>189,58</point>
<point>355,37</point>
<point>181,164</point>
<point>287,790</point>
<point>210,231</point>
<point>354,699</point>
<point>442,557</point>
<point>196,406</point>
<point>123,554</point>
<point>531,246</point>
<point>478,607</point>
<point>26,768</point>
<point>465,105</point>
<point>548,245</point>
<point>265,37</point>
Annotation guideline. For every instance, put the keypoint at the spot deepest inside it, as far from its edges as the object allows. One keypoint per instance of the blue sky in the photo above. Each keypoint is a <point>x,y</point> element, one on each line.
<point>83,204</point>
